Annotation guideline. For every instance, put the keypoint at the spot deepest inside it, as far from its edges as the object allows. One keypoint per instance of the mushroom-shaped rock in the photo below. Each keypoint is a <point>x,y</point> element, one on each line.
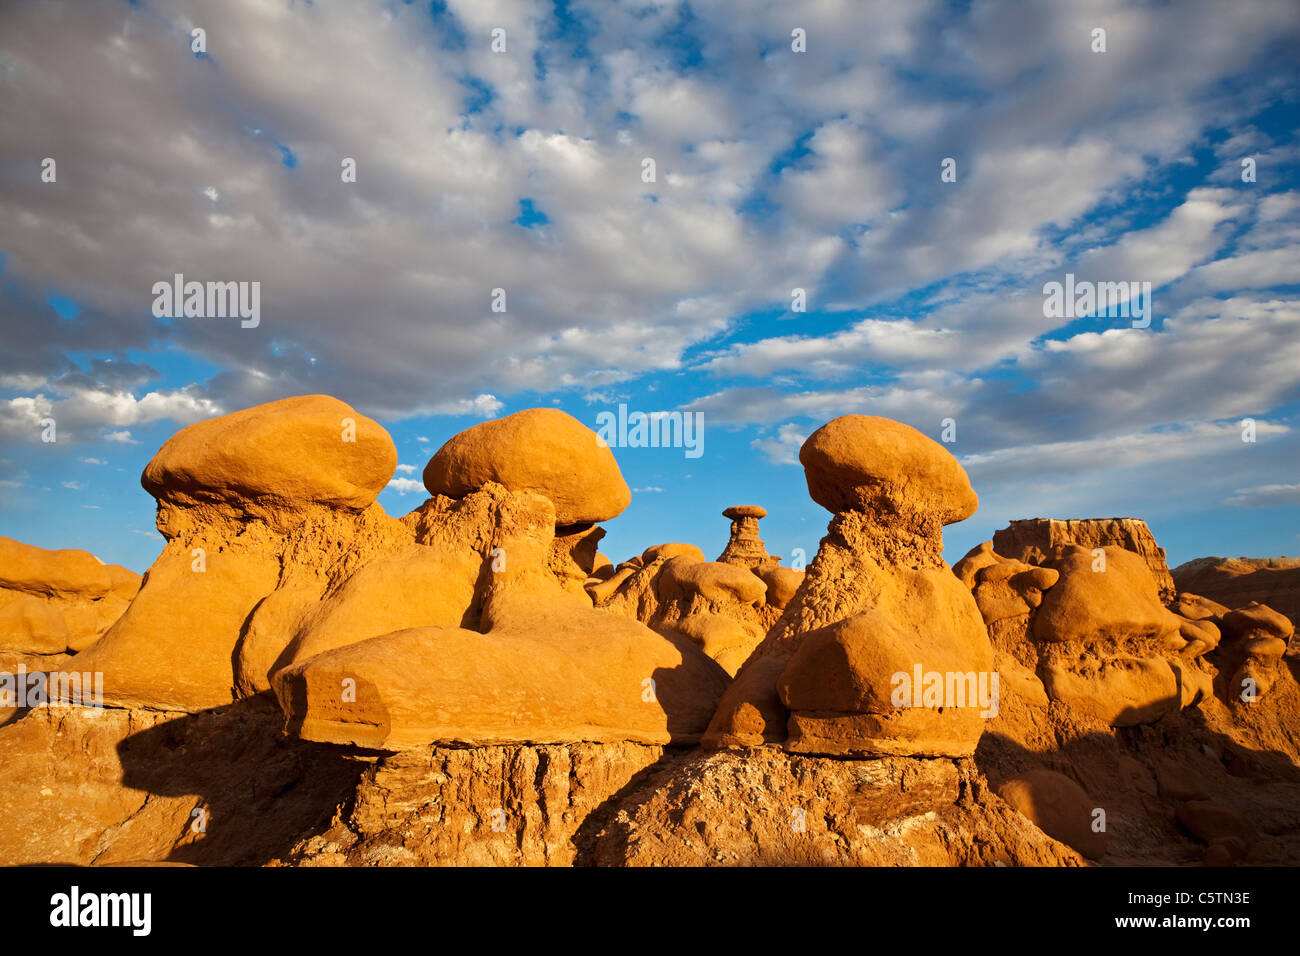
<point>540,450</point>
<point>745,549</point>
<point>870,464</point>
<point>312,449</point>
<point>1059,807</point>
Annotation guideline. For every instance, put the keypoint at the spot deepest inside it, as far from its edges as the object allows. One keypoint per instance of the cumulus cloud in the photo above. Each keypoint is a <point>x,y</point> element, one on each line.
<point>407,485</point>
<point>783,449</point>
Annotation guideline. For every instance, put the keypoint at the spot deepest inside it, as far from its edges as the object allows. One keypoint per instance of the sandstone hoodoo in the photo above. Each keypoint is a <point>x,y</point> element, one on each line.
<point>474,682</point>
<point>541,450</point>
<point>745,549</point>
<point>877,601</point>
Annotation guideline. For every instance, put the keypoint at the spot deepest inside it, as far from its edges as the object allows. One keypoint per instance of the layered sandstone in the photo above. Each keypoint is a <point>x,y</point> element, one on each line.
<point>1034,540</point>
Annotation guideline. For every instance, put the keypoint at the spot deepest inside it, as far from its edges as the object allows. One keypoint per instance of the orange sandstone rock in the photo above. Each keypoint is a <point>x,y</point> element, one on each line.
<point>540,450</point>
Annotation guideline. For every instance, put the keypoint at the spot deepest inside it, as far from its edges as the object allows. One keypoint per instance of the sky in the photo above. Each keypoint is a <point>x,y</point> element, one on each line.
<point>795,146</point>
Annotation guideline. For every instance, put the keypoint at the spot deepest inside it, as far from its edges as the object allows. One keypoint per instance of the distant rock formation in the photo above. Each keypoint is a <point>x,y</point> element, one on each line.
<point>1238,581</point>
<point>745,549</point>
<point>1036,539</point>
<point>57,602</point>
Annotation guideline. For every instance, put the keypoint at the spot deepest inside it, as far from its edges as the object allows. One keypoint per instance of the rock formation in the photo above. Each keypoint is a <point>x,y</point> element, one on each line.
<point>317,682</point>
<point>878,602</point>
<point>1035,539</point>
<point>745,549</point>
<point>1238,581</point>
<point>57,602</point>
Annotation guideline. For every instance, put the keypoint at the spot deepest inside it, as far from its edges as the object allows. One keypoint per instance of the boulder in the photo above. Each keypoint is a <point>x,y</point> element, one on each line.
<point>539,450</point>
<point>547,669</point>
<point>870,464</point>
<point>782,583</point>
<point>1059,807</point>
<point>1111,596</point>
<point>55,602</point>
<point>711,580</point>
<point>1120,691</point>
<point>312,449</point>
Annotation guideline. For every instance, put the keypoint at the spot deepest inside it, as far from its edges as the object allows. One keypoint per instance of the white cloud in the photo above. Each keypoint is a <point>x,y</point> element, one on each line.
<point>407,485</point>
<point>784,448</point>
<point>1266,496</point>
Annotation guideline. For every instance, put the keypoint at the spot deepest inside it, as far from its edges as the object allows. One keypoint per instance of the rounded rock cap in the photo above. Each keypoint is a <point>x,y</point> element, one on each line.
<point>744,511</point>
<point>864,463</point>
<point>541,450</point>
<point>306,449</point>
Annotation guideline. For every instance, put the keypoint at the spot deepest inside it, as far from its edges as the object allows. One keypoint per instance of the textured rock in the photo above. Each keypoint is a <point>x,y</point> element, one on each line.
<point>744,548</point>
<point>540,450</point>
<point>1059,807</point>
<point>1118,602</point>
<point>1236,582</point>
<point>816,682</point>
<point>53,602</point>
<point>769,808</point>
<point>869,464</point>
<point>1037,540</point>
<point>225,788</point>
<point>312,449</point>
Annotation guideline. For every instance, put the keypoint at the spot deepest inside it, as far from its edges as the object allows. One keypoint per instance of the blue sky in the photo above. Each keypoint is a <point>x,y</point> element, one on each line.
<point>775,170</point>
